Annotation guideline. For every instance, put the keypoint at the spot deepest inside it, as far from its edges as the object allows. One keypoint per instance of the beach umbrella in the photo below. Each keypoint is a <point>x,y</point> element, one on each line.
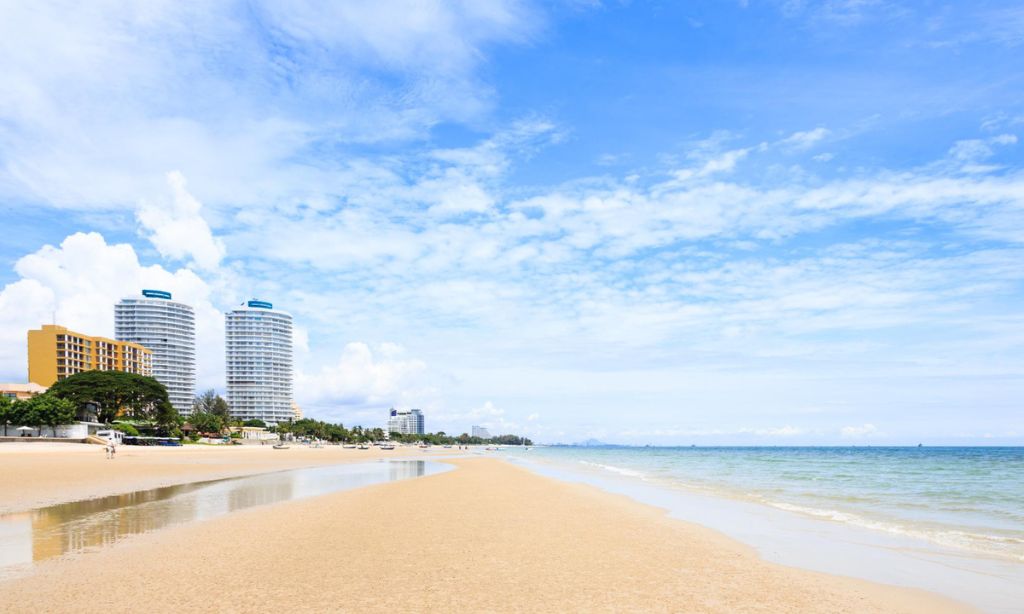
<point>25,428</point>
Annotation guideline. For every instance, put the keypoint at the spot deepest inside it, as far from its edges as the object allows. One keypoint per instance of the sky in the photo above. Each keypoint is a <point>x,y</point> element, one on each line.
<point>712,222</point>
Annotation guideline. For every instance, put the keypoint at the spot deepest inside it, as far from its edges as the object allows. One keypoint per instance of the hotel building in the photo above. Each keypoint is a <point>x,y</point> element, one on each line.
<point>258,350</point>
<point>21,392</point>
<point>54,353</point>
<point>481,432</point>
<point>168,329</point>
<point>406,422</point>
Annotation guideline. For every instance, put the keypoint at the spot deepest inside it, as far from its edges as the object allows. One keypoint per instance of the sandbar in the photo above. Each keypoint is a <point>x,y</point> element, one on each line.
<point>488,536</point>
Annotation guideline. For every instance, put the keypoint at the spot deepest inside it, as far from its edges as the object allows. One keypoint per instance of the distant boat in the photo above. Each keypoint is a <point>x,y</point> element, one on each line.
<point>363,446</point>
<point>447,446</point>
<point>280,446</point>
<point>350,446</point>
<point>387,446</point>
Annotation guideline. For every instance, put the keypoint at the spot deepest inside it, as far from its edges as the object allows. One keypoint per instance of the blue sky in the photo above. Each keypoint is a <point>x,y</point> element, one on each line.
<point>717,222</point>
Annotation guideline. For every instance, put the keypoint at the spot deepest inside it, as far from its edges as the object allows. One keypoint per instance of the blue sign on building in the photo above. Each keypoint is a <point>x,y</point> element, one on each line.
<point>260,304</point>
<point>156,294</point>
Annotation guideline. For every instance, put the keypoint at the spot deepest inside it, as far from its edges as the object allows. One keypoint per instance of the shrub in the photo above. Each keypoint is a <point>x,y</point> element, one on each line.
<point>126,428</point>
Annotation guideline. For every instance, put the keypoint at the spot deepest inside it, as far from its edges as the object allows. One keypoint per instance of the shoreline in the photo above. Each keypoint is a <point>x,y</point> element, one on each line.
<point>796,540</point>
<point>42,474</point>
<point>489,533</point>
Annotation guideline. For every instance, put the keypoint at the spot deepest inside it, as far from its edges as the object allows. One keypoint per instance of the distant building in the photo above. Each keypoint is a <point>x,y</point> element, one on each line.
<point>481,432</point>
<point>406,422</point>
<point>258,348</point>
<point>296,411</point>
<point>21,392</point>
<point>54,353</point>
<point>167,328</point>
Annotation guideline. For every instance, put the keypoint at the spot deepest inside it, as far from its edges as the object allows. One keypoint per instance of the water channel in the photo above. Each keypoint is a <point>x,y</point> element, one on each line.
<point>82,526</point>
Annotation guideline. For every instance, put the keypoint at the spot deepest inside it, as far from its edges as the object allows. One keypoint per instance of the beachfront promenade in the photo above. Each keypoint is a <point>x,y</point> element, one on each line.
<point>487,536</point>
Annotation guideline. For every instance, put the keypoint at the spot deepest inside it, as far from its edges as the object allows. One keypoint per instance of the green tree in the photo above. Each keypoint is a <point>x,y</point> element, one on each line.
<point>53,411</point>
<point>25,412</point>
<point>126,428</point>
<point>212,403</point>
<point>204,402</point>
<point>116,393</point>
<point>6,412</point>
<point>255,422</point>
<point>167,419</point>
<point>221,408</point>
<point>206,422</point>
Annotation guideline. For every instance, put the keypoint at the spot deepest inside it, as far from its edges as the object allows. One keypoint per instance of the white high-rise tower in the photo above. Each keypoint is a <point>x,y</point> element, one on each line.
<point>168,329</point>
<point>259,362</point>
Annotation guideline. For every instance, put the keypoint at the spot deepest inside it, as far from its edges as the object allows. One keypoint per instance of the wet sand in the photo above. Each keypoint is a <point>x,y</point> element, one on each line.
<point>488,536</point>
<point>39,474</point>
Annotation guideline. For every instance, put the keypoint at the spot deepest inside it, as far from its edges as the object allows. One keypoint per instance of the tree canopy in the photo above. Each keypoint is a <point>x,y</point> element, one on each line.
<point>316,429</point>
<point>116,393</point>
<point>442,438</point>
<point>53,411</point>
<point>206,422</point>
<point>210,413</point>
<point>43,410</point>
<point>212,403</point>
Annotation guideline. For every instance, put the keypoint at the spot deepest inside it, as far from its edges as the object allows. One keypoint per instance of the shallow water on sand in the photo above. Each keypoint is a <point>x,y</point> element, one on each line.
<point>966,498</point>
<point>948,520</point>
<point>82,526</point>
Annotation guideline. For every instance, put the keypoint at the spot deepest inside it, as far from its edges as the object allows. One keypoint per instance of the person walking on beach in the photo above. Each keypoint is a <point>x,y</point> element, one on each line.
<point>107,449</point>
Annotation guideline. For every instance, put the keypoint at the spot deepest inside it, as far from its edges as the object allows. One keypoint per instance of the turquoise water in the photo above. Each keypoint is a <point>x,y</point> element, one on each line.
<point>971,499</point>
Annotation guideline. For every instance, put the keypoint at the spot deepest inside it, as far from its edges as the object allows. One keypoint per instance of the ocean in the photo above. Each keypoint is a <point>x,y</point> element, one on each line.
<point>969,498</point>
<point>946,519</point>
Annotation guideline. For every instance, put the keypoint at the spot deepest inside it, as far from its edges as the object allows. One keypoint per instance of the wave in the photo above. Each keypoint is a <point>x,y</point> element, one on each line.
<point>993,545</point>
<point>612,468</point>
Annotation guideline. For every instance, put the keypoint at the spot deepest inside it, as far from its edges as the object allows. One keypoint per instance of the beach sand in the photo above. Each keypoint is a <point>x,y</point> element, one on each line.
<point>488,536</point>
<point>39,474</point>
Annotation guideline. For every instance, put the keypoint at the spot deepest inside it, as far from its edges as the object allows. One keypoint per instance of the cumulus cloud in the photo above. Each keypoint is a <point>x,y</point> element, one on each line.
<point>177,228</point>
<point>367,376</point>
<point>77,283</point>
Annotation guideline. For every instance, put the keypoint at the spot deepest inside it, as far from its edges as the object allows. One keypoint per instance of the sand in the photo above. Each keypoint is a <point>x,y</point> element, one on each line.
<point>39,474</point>
<point>487,536</point>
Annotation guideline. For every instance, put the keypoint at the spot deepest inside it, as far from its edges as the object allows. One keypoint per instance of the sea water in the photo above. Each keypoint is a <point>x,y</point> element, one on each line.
<point>944,519</point>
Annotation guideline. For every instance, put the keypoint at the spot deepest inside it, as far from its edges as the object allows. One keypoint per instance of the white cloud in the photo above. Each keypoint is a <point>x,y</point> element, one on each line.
<point>853,432</point>
<point>77,284</point>
<point>805,139</point>
<point>177,228</point>
<point>487,415</point>
<point>971,152</point>
<point>102,99</point>
<point>433,36</point>
<point>784,431</point>
<point>364,376</point>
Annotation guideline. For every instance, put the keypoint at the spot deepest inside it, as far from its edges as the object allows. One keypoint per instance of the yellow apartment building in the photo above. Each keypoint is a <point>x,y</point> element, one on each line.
<point>54,352</point>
